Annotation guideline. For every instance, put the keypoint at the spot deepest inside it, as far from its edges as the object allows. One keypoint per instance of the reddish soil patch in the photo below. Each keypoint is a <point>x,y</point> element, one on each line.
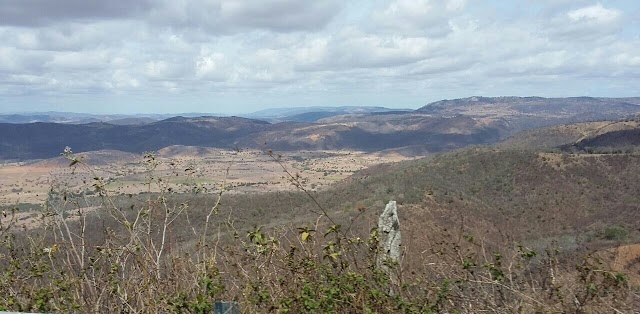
<point>626,259</point>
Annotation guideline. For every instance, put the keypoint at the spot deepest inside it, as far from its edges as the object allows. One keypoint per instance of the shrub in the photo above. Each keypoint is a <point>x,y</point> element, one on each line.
<point>155,253</point>
<point>616,232</point>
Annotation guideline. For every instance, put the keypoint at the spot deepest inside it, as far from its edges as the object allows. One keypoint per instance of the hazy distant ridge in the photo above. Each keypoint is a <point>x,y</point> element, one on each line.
<point>439,126</point>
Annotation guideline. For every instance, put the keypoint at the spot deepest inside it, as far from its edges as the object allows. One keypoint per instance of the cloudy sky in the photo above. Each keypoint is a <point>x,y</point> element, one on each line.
<point>234,56</point>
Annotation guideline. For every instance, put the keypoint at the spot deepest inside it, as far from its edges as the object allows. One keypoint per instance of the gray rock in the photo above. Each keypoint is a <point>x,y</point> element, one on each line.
<point>390,238</point>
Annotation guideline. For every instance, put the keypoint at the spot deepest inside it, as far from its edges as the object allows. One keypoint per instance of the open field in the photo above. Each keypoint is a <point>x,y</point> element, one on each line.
<point>183,169</point>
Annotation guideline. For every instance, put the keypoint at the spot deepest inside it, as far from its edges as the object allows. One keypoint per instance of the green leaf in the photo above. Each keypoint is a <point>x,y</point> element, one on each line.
<point>304,236</point>
<point>333,229</point>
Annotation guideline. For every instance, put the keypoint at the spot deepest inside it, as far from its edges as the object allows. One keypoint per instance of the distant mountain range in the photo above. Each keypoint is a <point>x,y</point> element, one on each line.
<point>84,118</point>
<point>439,126</point>
<point>296,114</point>
<point>530,112</point>
<point>311,114</point>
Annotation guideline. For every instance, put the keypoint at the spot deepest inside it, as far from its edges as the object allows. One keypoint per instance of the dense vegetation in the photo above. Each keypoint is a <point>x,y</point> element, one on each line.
<point>483,229</point>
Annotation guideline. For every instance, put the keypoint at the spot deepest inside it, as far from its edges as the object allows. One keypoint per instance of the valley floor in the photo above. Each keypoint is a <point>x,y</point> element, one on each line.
<point>185,168</point>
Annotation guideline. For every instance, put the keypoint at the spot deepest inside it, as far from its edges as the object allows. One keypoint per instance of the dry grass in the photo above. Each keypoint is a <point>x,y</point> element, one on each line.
<point>253,171</point>
<point>462,253</point>
<point>626,259</point>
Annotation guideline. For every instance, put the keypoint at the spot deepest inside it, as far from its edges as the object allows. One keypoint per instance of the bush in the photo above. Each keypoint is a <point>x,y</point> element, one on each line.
<point>617,233</point>
<point>158,254</point>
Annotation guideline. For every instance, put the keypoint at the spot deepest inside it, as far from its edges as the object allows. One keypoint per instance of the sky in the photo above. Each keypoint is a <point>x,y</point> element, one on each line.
<point>238,56</point>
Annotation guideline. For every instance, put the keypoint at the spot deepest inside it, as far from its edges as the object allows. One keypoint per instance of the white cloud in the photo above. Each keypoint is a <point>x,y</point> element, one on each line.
<point>298,52</point>
<point>36,13</point>
<point>279,15</point>
<point>122,79</point>
<point>586,24</point>
<point>78,60</point>
<point>596,13</point>
<point>156,69</point>
<point>455,5</point>
<point>234,16</point>
<point>210,66</point>
<point>428,17</point>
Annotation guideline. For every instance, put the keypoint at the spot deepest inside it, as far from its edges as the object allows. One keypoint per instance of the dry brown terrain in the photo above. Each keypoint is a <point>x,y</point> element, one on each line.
<point>183,169</point>
<point>626,259</point>
<point>565,134</point>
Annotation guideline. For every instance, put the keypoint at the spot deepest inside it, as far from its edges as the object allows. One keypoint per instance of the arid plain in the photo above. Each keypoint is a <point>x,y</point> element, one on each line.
<point>183,169</point>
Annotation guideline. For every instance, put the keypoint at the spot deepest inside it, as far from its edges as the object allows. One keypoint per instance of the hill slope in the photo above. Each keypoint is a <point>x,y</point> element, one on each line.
<point>437,127</point>
<point>530,112</point>
<point>496,230</point>
<point>581,134</point>
<point>43,140</point>
<point>378,132</point>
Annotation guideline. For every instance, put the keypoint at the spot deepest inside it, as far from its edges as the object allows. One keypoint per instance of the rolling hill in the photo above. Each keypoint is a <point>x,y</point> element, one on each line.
<point>310,114</point>
<point>530,112</point>
<point>44,140</point>
<point>440,126</point>
<point>498,229</point>
<point>605,133</point>
<point>466,210</point>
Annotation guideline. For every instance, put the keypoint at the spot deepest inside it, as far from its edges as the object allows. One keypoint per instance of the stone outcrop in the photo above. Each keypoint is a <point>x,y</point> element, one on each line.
<point>390,239</point>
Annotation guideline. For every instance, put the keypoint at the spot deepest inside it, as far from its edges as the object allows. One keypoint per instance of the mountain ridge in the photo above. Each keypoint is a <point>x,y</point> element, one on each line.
<point>444,125</point>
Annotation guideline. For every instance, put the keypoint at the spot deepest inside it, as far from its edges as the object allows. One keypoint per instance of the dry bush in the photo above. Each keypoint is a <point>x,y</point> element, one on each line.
<point>156,254</point>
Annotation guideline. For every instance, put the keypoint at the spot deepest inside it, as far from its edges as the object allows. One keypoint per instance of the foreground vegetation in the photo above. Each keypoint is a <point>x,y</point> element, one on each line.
<point>484,230</point>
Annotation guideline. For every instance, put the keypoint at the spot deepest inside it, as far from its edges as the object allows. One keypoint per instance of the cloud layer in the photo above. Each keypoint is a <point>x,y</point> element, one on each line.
<point>240,55</point>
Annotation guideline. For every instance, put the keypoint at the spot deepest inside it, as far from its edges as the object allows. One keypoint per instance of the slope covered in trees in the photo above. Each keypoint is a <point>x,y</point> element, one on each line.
<point>483,229</point>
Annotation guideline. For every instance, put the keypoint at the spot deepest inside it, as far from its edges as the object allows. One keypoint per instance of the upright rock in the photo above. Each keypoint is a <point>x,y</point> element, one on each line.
<point>390,238</point>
